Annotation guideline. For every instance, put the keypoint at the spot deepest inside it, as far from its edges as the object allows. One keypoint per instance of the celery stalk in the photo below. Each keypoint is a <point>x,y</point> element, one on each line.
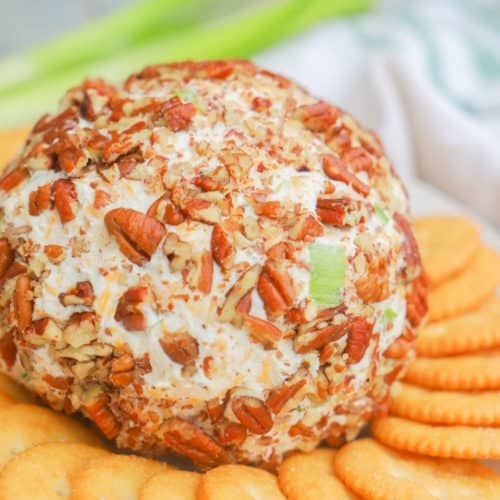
<point>327,278</point>
<point>240,35</point>
<point>101,38</point>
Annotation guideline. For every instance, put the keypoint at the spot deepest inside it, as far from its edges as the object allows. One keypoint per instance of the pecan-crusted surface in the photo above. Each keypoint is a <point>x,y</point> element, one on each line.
<point>207,260</point>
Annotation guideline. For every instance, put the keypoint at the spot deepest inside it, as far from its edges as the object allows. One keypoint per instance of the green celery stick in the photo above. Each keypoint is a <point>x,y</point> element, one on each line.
<point>241,35</point>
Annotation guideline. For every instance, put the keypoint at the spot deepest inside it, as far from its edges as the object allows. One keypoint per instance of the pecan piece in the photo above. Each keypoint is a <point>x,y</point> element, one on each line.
<point>55,253</point>
<point>207,183</point>
<point>178,252</point>
<point>398,349</point>
<point>180,347</point>
<point>358,338</point>
<point>261,104</point>
<point>252,413</point>
<point>317,117</point>
<point>40,200</point>
<point>178,115</point>
<point>203,210</point>
<point>8,349</point>
<point>340,212</point>
<point>96,406</point>
<point>275,287</point>
<point>199,272</point>
<point>410,247</point>
<point>124,363</point>
<point>373,285</point>
<point>65,199</point>
<point>6,256</point>
<point>222,248</point>
<point>165,211</point>
<point>128,311</point>
<point>23,300</point>
<point>337,169</point>
<point>13,178</point>
<point>81,294</point>
<point>138,235</point>
<point>416,300</point>
<point>230,433</point>
<point>243,285</point>
<point>81,329</point>
<point>306,227</point>
<point>280,396</point>
<point>215,409</point>
<point>189,440</point>
<point>358,159</point>
<point>270,209</point>
<point>262,331</point>
<point>101,199</point>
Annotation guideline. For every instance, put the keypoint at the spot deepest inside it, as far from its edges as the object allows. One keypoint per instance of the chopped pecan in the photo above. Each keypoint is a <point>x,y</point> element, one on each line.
<point>222,248</point>
<point>275,287</point>
<point>70,157</point>
<point>358,159</point>
<point>243,285</point>
<point>262,331</point>
<point>55,253</point>
<point>13,178</point>
<point>340,212</point>
<point>280,396</point>
<point>180,347</point>
<point>23,302</point>
<point>203,210</point>
<point>82,294</point>
<point>199,272</point>
<point>65,199</point>
<point>178,252</point>
<point>40,200</point>
<point>128,311</point>
<point>252,413</point>
<point>96,406</point>
<point>15,269</point>
<point>270,209</point>
<point>60,383</point>
<point>207,183</point>
<point>215,409</point>
<point>245,304</point>
<point>230,433</point>
<point>416,300</point>
<point>329,325</point>
<point>358,338</point>
<point>101,199</point>
<point>189,440</point>
<point>261,103</point>
<point>121,379</point>
<point>81,329</point>
<point>237,163</point>
<point>337,169</point>
<point>178,115</point>
<point>124,363</point>
<point>300,429</point>
<point>306,227</point>
<point>165,211</point>
<point>305,313</point>
<point>138,235</point>
<point>373,285</point>
<point>6,256</point>
<point>8,349</point>
<point>398,349</point>
<point>410,247</point>
<point>281,250</point>
<point>317,117</point>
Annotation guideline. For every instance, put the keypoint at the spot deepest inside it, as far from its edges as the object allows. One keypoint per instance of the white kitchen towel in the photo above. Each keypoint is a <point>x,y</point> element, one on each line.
<point>425,75</point>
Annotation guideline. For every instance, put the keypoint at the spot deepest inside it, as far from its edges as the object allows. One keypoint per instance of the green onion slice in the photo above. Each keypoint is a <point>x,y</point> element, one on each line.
<point>329,267</point>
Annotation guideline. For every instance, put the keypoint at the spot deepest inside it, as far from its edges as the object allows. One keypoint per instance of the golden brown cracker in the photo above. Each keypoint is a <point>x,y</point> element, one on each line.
<point>23,426</point>
<point>180,485</point>
<point>5,400</point>
<point>15,391</point>
<point>10,142</point>
<point>447,243</point>
<point>467,290</point>
<point>379,473</point>
<point>310,476</point>
<point>469,332</point>
<point>468,372</point>
<point>44,471</point>
<point>113,477</point>
<point>241,482</point>
<point>445,407</point>
<point>454,441</point>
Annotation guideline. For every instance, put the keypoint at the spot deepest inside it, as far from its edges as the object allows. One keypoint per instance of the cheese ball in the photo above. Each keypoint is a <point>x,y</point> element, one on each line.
<point>209,261</point>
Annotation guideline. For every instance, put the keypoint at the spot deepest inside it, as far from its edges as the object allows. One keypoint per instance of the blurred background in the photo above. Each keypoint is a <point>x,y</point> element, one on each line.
<point>424,74</point>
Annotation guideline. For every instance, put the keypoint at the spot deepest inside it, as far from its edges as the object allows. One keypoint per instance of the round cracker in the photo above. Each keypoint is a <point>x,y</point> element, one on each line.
<point>454,441</point>
<point>5,401</point>
<point>467,290</point>
<point>469,372</point>
<point>44,471</point>
<point>15,391</point>
<point>309,476</point>
<point>10,141</point>
<point>445,407</point>
<point>447,244</point>
<point>113,477</point>
<point>473,331</point>
<point>378,473</point>
<point>180,484</point>
<point>23,426</point>
<point>241,482</point>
